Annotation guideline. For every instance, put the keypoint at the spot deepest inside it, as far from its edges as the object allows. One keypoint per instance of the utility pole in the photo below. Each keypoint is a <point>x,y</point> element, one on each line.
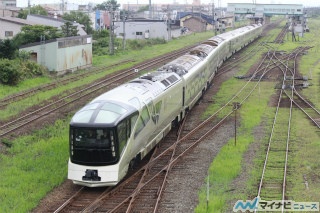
<point>236,106</point>
<point>111,31</point>
<point>62,6</point>
<point>150,9</point>
<point>124,18</point>
<point>168,23</point>
<point>213,21</point>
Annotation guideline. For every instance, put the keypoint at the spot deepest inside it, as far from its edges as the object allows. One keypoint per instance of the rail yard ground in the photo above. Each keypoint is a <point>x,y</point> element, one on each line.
<point>34,165</point>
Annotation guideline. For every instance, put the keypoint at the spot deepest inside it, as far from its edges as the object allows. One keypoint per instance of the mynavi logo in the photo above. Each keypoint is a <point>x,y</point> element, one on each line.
<point>275,205</point>
<point>250,205</point>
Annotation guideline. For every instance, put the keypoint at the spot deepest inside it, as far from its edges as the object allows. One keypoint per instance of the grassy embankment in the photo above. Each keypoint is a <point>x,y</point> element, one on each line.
<point>34,164</point>
<point>304,140</point>
<point>136,55</point>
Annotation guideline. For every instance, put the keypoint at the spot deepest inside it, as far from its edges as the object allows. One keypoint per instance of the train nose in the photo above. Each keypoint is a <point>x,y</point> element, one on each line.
<point>91,175</point>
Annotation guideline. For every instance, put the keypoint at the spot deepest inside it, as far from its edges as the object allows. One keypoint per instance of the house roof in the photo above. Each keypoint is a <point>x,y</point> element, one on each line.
<point>54,22</point>
<point>205,17</point>
<point>15,20</point>
<point>43,18</point>
<point>197,18</point>
<point>54,40</point>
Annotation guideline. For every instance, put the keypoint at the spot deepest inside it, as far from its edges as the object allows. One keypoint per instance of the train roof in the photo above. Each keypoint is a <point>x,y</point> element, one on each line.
<point>184,63</point>
<point>231,34</point>
<point>112,106</point>
<point>104,113</point>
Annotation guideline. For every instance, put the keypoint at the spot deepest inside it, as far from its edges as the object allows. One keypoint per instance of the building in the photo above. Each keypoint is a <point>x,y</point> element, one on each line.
<point>62,54</point>
<point>265,11</point>
<point>8,8</point>
<point>54,22</point>
<point>195,24</point>
<point>8,3</point>
<point>225,22</point>
<point>10,26</point>
<point>142,29</point>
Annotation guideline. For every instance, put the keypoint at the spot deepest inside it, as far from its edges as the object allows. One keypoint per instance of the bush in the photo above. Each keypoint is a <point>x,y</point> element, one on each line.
<point>139,44</point>
<point>12,71</point>
<point>9,72</point>
<point>30,69</point>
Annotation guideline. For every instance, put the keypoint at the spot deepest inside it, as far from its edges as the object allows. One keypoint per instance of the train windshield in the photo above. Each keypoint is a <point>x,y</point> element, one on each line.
<point>93,146</point>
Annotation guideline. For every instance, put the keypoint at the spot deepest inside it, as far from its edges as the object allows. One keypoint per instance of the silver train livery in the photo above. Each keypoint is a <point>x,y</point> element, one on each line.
<point>124,124</point>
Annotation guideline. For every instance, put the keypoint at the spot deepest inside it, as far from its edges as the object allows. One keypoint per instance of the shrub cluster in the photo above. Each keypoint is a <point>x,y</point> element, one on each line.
<point>13,71</point>
<point>137,44</point>
<point>101,44</point>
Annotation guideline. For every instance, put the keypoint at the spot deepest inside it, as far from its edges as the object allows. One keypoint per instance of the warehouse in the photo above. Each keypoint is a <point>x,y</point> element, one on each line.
<point>62,54</point>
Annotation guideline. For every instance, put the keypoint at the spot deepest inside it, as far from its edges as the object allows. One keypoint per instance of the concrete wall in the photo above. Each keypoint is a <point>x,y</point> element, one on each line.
<point>63,54</point>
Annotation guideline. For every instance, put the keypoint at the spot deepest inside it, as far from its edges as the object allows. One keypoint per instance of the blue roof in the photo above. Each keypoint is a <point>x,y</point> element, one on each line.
<point>207,18</point>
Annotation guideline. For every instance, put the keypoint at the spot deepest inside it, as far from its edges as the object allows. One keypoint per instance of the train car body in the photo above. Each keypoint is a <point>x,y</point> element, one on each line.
<point>122,125</point>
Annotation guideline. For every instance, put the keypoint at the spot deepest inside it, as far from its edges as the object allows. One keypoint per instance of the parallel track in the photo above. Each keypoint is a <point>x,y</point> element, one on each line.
<point>15,125</point>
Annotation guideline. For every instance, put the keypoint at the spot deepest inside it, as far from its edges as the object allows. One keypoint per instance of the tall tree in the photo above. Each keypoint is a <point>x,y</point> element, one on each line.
<point>36,33</point>
<point>69,30</point>
<point>7,49</point>
<point>81,18</point>
<point>38,10</point>
<point>110,5</point>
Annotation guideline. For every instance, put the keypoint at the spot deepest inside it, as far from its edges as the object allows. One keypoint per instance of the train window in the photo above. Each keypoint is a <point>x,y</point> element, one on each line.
<point>165,82</point>
<point>82,116</point>
<point>158,107</point>
<point>142,121</point>
<point>93,146</point>
<point>122,129</point>
<point>106,117</point>
<point>114,108</point>
<point>145,115</point>
<point>139,126</point>
<point>134,119</point>
<point>109,112</point>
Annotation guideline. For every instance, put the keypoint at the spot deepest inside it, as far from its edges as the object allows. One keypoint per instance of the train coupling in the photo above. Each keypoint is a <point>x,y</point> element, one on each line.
<point>91,175</point>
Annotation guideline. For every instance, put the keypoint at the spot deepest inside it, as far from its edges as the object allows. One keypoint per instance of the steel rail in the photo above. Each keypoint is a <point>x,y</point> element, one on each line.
<point>167,168</point>
<point>273,128</point>
<point>99,85</point>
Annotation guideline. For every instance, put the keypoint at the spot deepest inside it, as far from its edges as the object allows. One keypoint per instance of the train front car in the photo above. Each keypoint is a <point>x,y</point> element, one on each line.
<point>97,138</point>
<point>121,126</point>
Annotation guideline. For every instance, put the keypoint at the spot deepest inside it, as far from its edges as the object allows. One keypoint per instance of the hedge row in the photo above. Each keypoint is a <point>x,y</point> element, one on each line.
<point>13,71</point>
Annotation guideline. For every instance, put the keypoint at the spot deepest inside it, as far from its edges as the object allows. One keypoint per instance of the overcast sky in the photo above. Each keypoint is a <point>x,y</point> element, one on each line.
<point>223,3</point>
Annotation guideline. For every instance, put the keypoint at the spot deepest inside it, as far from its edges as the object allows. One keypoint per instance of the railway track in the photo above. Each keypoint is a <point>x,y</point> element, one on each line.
<point>279,39</point>
<point>14,126</point>
<point>58,83</point>
<point>141,192</point>
<point>273,182</point>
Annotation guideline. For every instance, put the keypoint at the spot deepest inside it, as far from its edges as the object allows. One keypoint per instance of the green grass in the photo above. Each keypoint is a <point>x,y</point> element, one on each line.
<point>304,161</point>
<point>304,140</point>
<point>149,52</point>
<point>227,165</point>
<point>24,85</point>
<point>33,166</point>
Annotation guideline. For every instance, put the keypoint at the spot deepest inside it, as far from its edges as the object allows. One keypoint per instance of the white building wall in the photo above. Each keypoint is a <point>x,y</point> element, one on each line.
<point>9,27</point>
<point>142,30</point>
<point>63,58</point>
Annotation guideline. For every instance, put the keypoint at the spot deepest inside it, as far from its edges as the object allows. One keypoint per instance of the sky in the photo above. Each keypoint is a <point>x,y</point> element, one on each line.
<point>223,3</point>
